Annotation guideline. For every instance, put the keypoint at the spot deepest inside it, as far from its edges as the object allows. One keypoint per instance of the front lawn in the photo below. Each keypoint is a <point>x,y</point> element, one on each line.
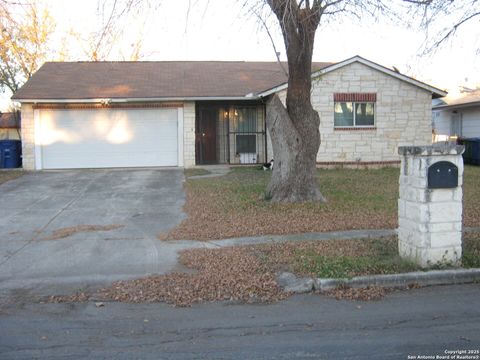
<point>233,205</point>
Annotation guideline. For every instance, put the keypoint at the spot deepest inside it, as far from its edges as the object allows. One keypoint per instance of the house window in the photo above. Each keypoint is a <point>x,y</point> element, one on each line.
<point>354,110</point>
<point>244,119</point>
<point>246,143</point>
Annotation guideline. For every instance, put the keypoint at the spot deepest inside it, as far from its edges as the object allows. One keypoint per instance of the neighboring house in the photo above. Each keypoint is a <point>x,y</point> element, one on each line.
<point>10,126</point>
<point>134,114</point>
<point>457,116</point>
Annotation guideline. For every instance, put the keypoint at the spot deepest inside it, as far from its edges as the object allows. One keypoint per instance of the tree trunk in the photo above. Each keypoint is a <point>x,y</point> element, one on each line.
<point>294,170</point>
<point>294,129</point>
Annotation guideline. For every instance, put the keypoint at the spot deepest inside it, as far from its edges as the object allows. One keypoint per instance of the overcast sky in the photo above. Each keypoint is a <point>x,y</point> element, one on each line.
<point>222,31</point>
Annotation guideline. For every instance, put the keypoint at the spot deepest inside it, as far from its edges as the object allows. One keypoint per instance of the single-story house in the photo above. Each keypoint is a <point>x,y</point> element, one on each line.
<point>457,115</point>
<point>183,113</point>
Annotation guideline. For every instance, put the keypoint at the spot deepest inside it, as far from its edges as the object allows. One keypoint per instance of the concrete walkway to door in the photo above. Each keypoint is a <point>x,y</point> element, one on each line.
<point>135,204</point>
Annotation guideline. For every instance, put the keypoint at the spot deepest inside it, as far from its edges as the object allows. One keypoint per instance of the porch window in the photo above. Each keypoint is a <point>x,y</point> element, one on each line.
<point>244,119</point>
<point>354,110</point>
<point>244,126</point>
<point>246,143</point>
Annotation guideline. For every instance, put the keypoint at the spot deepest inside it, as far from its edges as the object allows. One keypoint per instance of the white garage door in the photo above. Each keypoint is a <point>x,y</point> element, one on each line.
<point>98,138</point>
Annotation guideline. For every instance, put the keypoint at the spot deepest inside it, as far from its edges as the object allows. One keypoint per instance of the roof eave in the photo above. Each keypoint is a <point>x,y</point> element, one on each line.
<point>127,100</point>
<point>456,106</point>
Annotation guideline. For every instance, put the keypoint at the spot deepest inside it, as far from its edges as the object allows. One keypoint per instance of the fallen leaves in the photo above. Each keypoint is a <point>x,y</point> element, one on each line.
<point>76,297</point>
<point>69,231</point>
<point>233,205</point>
<point>232,274</point>
<point>370,293</point>
<point>246,274</point>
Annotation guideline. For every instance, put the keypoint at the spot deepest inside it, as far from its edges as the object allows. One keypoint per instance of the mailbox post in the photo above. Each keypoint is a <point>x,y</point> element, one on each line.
<point>430,204</point>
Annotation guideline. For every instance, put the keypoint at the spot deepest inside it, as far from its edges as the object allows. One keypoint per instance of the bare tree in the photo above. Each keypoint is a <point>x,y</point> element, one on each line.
<point>114,17</point>
<point>294,128</point>
<point>25,33</point>
<point>443,19</point>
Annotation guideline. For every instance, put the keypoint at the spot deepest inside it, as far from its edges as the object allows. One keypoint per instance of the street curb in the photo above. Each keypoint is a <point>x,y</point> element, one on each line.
<point>422,278</point>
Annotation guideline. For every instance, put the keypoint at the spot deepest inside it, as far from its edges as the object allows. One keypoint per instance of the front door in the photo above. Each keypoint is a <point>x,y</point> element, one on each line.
<point>206,136</point>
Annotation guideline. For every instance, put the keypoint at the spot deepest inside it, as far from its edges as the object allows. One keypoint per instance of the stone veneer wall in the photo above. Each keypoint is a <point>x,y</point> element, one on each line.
<point>402,116</point>
<point>189,134</point>
<point>429,220</point>
<point>28,137</point>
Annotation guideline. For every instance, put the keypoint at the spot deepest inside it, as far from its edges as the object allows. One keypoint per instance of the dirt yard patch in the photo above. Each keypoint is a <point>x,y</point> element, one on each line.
<point>7,175</point>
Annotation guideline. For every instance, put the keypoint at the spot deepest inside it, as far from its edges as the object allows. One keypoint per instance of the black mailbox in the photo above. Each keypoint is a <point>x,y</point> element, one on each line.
<point>442,175</point>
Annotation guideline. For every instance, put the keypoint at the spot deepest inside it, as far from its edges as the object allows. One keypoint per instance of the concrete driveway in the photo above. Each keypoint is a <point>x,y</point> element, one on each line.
<point>139,204</point>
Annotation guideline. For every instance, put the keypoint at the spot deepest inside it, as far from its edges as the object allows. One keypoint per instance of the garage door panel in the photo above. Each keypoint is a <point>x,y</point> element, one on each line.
<point>108,138</point>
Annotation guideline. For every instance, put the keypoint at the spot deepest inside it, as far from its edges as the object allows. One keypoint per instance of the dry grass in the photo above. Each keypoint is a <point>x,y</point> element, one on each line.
<point>471,250</point>
<point>196,172</point>
<point>471,196</point>
<point>7,175</point>
<point>233,205</point>
<point>69,231</point>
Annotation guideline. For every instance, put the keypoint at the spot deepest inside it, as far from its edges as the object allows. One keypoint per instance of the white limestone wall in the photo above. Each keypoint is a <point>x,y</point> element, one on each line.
<point>402,116</point>
<point>189,134</point>
<point>430,220</point>
<point>28,137</point>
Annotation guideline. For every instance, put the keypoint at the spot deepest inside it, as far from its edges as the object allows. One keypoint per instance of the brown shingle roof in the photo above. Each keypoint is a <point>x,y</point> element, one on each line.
<point>156,79</point>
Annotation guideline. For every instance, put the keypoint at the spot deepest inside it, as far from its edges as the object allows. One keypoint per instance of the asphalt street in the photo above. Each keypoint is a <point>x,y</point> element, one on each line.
<point>425,322</point>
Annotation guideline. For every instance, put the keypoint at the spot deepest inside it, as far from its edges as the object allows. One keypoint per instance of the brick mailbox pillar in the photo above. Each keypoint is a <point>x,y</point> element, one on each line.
<point>430,204</point>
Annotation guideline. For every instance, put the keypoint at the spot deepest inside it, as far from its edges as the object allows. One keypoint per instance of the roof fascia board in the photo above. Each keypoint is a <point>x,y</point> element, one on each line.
<point>127,100</point>
<point>368,63</point>
<point>456,106</point>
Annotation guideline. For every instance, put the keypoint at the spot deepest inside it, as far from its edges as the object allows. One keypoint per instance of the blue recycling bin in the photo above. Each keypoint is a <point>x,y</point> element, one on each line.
<point>472,150</point>
<point>475,144</point>
<point>10,154</point>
